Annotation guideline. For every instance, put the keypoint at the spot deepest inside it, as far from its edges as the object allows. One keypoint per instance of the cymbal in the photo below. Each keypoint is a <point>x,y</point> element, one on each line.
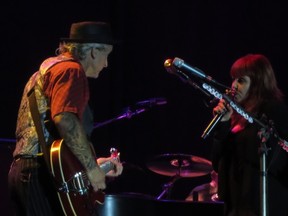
<point>182,165</point>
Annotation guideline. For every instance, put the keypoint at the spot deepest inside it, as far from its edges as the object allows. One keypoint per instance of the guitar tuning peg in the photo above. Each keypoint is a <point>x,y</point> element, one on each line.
<point>113,150</point>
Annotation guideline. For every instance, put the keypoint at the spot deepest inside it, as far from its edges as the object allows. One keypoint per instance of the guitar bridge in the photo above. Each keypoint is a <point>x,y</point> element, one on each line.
<point>76,184</point>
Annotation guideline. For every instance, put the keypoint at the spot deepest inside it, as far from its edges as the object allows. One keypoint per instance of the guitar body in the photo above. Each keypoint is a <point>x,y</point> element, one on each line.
<point>75,194</point>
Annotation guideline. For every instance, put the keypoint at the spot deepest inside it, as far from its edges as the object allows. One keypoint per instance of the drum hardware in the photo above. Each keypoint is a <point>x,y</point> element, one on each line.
<point>167,187</point>
<point>178,166</point>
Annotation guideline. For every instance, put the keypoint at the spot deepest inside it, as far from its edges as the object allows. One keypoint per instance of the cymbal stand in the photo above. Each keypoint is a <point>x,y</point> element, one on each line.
<point>168,186</point>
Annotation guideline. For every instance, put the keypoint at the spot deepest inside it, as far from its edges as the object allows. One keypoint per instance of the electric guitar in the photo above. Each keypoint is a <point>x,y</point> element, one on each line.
<point>75,193</point>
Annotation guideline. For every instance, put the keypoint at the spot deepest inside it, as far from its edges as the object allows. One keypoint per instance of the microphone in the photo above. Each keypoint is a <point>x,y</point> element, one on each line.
<point>217,117</point>
<point>179,63</point>
<point>212,124</point>
<point>169,66</point>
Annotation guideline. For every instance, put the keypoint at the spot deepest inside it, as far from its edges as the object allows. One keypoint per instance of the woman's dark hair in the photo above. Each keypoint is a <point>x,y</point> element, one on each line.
<point>263,85</point>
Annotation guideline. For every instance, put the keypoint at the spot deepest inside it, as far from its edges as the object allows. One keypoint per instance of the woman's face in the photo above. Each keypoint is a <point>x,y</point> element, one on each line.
<point>241,85</point>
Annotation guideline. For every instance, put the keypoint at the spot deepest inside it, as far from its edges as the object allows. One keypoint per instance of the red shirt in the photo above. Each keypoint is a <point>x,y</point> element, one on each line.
<point>66,86</point>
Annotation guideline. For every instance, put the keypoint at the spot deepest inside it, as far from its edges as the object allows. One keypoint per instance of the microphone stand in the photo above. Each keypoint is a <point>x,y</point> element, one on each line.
<point>263,150</point>
<point>264,134</point>
<point>128,113</point>
<point>185,78</point>
<point>138,108</point>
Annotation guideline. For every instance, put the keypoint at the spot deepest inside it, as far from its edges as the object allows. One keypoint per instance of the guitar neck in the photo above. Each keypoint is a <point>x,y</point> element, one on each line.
<point>107,166</point>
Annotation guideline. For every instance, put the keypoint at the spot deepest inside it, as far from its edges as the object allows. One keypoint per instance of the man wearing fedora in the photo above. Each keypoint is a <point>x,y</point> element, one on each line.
<point>62,92</point>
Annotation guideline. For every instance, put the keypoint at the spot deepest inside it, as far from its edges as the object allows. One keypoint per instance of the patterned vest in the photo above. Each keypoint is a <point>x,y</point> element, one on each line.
<point>26,135</point>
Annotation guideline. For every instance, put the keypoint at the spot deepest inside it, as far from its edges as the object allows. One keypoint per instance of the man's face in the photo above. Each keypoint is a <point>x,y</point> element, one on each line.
<point>98,60</point>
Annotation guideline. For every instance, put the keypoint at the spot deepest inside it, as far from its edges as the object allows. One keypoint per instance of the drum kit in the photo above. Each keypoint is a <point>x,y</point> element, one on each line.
<point>173,165</point>
<point>178,166</point>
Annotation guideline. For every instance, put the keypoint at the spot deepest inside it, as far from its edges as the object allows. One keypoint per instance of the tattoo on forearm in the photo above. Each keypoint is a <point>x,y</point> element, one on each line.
<point>71,130</point>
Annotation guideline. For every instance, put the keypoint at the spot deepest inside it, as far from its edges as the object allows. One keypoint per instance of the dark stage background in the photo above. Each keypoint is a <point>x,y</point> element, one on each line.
<point>209,35</point>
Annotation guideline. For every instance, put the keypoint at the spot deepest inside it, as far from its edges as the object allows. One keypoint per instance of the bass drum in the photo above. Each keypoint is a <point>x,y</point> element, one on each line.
<point>126,204</point>
<point>134,204</point>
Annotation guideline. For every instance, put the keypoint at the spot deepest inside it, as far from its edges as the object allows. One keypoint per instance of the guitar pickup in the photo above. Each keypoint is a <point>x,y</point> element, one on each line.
<point>76,184</point>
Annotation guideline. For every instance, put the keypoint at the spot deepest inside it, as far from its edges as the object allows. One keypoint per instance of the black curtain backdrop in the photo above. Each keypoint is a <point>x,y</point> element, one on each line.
<point>209,35</point>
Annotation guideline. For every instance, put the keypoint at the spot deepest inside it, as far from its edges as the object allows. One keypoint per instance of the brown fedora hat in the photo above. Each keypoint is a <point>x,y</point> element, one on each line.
<point>90,32</point>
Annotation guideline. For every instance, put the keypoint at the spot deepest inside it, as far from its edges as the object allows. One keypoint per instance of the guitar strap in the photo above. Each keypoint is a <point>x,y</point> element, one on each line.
<point>39,129</point>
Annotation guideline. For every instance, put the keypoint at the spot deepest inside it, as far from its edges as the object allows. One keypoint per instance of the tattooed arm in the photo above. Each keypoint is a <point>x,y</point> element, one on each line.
<point>71,130</point>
